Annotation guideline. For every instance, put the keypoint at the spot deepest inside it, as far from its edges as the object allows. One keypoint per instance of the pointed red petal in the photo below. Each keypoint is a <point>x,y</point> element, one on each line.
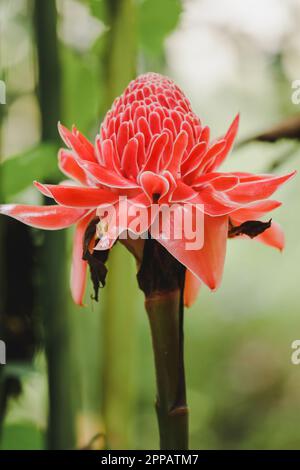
<point>81,146</point>
<point>225,182</point>
<point>203,179</point>
<point>191,288</point>
<point>214,203</point>
<point>74,196</point>
<point>254,211</point>
<point>229,139</point>
<point>107,177</point>
<point>273,236</point>
<point>83,140</point>
<point>79,266</point>
<point>205,135</point>
<point>182,192</point>
<point>45,217</point>
<point>213,151</point>
<point>206,263</point>
<point>68,164</point>
<point>256,190</point>
<point>110,157</point>
<point>194,159</point>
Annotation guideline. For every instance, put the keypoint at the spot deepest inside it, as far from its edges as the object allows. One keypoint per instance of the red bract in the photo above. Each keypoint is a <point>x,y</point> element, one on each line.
<point>152,148</point>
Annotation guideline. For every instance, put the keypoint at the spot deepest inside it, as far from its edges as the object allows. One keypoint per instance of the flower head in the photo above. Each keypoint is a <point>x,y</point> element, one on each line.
<point>153,150</point>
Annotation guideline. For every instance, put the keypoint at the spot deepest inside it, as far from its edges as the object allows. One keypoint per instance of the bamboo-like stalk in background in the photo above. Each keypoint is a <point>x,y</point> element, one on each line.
<point>2,274</point>
<point>119,312</point>
<point>2,290</point>
<point>61,434</point>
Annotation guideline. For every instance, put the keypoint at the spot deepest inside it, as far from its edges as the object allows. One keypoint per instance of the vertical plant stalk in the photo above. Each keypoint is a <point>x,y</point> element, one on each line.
<point>161,277</point>
<point>120,56</point>
<point>2,297</point>
<point>119,349</point>
<point>61,434</point>
<point>2,273</point>
<point>119,312</point>
<point>49,89</point>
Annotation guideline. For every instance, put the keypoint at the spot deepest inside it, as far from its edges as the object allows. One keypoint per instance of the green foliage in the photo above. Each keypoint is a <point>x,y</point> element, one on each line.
<point>22,436</point>
<point>121,56</point>
<point>157,19</point>
<point>98,9</point>
<point>80,90</point>
<point>39,163</point>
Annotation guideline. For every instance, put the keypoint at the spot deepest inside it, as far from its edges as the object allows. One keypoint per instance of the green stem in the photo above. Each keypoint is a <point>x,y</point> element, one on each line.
<point>48,67</point>
<point>120,55</point>
<point>165,317</point>
<point>119,349</point>
<point>161,278</point>
<point>61,433</point>
<point>119,358</point>
<point>2,273</point>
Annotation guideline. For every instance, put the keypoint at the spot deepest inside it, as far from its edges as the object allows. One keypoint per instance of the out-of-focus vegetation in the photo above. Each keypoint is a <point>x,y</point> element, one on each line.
<point>80,376</point>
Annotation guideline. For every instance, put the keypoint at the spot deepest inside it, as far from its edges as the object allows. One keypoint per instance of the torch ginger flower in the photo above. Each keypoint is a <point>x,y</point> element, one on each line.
<point>152,148</point>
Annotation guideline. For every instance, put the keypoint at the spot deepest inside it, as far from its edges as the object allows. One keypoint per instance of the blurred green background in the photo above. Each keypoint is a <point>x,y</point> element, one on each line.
<point>84,377</point>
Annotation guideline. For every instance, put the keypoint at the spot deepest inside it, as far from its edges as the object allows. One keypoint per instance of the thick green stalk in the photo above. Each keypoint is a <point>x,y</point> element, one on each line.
<point>164,313</point>
<point>2,296</point>
<point>61,434</point>
<point>119,320</point>
<point>48,67</point>
<point>120,57</point>
<point>161,278</point>
<point>2,274</point>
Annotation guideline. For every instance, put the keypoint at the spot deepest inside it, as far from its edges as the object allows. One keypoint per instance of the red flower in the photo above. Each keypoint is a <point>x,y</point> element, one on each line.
<point>152,148</point>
